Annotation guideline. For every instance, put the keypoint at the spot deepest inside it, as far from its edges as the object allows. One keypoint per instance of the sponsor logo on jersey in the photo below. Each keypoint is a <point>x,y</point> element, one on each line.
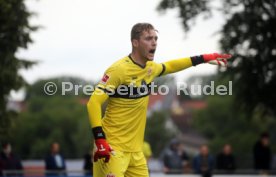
<point>105,79</point>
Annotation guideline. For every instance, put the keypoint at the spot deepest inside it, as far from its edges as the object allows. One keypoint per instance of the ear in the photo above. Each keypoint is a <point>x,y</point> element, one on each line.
<point>135,43</point>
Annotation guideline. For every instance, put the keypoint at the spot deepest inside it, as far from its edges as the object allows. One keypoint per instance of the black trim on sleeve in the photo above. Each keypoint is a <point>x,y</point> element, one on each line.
<point>109,92</point>
<point>197,60</point>
<point>163,69</point>
<point>98,133</point>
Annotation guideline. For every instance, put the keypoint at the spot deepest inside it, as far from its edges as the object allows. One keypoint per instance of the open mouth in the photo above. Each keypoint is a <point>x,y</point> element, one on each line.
<point>152,51</point>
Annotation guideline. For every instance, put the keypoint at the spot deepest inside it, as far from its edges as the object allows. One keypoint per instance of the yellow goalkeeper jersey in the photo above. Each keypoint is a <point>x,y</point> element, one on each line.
<point>127,84</point>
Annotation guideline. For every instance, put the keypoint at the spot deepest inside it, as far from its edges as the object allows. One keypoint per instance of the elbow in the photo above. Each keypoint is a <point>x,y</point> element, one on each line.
<point>90,102</point>
<point>96,100</point>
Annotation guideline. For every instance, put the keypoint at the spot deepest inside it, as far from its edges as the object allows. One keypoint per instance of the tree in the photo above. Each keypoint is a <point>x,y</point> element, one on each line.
<point>249,34</point>
<point>48,119</point>
<point>228,125</point>
<point>14,34</point>
<point>222,123</point>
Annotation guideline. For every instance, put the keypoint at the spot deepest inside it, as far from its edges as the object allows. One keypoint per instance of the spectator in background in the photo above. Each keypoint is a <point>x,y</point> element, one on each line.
<point>88,165</point>
<point>175,158</point>
<point>9,160</point>
<point>185,158</point>
<point>204,162</point>
<point>55,162</point>
<point>226,160</point>
<point>262,154</point>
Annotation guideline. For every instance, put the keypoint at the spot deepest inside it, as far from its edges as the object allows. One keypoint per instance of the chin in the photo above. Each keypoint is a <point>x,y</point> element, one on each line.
<point>150,58</point>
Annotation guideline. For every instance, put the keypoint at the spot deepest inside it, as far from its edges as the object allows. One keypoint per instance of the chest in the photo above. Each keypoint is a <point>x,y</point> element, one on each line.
<point>136,76</point>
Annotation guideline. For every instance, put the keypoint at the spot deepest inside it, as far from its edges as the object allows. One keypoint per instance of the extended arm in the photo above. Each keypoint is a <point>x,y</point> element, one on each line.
<point>173,66</point>
<point>176,65</point>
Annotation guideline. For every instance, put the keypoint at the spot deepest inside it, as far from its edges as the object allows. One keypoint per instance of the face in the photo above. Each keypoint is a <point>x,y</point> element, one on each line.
<point>55,148</point>
<point>204,150</point>
<point>8,149</point>
<point>227,149</point>
<point>265,141</point>
<point>146,45</point>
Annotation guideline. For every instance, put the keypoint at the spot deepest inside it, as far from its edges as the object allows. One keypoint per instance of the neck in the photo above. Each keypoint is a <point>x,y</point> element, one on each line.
<point>138,59</point>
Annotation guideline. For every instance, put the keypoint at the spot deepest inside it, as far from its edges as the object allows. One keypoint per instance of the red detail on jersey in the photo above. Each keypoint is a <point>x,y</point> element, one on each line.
<point>110,175</point>
<point>105,78</point>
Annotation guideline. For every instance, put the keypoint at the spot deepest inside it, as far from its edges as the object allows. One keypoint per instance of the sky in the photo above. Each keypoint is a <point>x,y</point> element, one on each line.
<point>83,37</point>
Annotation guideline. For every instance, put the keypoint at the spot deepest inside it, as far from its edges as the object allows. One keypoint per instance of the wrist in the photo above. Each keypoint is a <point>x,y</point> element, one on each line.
<point>196,60</point>
<point>98,133</point>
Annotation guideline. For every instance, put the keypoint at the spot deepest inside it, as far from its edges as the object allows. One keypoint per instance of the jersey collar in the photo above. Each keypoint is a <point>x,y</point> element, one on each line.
<point>143,67</point>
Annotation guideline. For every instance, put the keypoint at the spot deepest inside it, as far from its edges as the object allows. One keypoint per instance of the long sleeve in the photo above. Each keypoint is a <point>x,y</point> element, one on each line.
<point>94,107</point>
<point>112,78</point>
<point>176,65</point>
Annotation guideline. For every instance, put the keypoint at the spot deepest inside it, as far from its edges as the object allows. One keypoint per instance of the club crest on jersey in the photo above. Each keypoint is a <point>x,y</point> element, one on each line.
<point>110,175</point>
<point>149,71</point>
<point>105,79</point>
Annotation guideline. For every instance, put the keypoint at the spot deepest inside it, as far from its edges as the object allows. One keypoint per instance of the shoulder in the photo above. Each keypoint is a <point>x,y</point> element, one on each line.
<point>119,65</point>
<point>116,72</point>
<point>157,68</point>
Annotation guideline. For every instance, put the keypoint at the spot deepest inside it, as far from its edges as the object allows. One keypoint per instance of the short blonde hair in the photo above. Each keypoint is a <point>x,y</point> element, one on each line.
<point>138,28</point>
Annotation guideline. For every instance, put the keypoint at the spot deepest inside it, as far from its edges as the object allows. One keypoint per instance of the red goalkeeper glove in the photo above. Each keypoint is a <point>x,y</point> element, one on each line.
<point>103,149</point>
<point>214,58</point>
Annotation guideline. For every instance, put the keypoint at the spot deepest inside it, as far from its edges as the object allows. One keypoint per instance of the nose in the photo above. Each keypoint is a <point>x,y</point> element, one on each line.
<point>154,42</point>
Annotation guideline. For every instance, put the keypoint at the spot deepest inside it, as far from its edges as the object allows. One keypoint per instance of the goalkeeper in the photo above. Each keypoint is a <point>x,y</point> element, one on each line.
<point>119,134</point>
